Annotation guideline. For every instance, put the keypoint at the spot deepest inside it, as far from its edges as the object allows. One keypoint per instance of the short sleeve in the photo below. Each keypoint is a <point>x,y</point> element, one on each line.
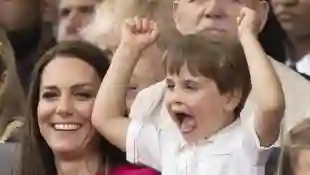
<point>147,101</point>
<point>142,145</point>
<point>252,149</point>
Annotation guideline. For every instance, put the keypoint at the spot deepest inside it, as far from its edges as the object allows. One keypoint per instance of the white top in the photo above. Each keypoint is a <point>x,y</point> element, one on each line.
<point>235,150</point>
<point>303,65</point>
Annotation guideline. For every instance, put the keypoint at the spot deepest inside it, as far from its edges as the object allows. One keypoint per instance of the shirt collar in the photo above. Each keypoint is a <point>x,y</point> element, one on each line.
<point>219,138</point>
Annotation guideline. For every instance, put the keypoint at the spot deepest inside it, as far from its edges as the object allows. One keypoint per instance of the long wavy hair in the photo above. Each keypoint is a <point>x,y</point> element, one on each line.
<point>36,157</point>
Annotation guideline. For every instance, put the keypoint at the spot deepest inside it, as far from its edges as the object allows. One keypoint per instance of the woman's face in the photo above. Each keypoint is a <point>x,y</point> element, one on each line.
<point>67,92</point>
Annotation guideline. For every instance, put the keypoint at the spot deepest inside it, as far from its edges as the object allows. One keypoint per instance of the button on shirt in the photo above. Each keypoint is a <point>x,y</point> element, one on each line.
<point>235,150</point>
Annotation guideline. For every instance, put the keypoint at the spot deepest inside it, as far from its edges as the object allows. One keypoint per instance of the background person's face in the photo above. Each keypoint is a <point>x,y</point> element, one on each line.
<point>65,105</point>
<point>73,16</point>
<point>49,10</point>
<point>293,16</point>
<point>147,72</point>
<point>19,14</point>
<point>215,19</point>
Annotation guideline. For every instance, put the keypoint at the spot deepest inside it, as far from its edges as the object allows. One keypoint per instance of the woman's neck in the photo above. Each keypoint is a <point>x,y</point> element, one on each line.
<point>89,164</point>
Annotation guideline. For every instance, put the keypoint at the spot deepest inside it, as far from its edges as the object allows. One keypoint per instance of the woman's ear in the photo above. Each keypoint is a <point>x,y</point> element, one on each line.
<point>263,13</point>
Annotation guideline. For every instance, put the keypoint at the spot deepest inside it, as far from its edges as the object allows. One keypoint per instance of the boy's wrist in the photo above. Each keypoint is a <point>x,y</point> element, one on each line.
<point>244,36</point>
<point>130,51</point>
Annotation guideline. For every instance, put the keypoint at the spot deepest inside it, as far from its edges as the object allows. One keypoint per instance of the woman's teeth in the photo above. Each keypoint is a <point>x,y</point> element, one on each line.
<point>67,127</point>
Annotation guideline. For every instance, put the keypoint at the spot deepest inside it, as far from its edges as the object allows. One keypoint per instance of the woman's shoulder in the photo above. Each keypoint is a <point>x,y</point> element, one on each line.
<point>130,169</point>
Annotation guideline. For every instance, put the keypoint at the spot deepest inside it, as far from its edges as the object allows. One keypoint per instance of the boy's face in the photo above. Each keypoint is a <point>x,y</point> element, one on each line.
<point>196,105</point>
<point>215,19</point>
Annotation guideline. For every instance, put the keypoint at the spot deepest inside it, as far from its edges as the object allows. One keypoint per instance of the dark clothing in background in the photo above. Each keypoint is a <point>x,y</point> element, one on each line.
<point>28,47</point>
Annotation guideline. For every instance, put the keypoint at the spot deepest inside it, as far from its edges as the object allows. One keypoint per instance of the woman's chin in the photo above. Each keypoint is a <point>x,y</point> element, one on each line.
<point>65,148</point>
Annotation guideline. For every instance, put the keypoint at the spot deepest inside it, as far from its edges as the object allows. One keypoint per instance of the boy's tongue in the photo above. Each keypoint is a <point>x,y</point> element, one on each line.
<point>188,124</point>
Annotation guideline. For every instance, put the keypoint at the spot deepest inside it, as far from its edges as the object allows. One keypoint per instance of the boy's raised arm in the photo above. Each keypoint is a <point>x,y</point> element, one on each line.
<point>266,86</point>
<point>109,108</point>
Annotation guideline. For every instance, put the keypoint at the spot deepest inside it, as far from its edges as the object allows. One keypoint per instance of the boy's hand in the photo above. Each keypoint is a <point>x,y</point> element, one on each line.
<point>138,33</point>
<point>248,22</point>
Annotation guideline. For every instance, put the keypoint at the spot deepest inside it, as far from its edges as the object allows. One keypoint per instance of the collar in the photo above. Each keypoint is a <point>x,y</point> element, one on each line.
<point>219,140</point>
<point>302,66</point>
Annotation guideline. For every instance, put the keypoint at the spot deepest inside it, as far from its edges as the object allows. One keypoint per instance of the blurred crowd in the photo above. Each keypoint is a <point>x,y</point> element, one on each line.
<point>35,86</point>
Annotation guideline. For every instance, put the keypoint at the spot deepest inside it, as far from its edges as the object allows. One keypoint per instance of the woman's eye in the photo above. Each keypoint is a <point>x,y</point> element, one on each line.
<point>49,95</point>
<point>83,96</point>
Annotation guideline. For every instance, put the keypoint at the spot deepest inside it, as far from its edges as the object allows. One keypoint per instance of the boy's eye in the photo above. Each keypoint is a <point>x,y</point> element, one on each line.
<point>170,86</point>
<point>190,85</point>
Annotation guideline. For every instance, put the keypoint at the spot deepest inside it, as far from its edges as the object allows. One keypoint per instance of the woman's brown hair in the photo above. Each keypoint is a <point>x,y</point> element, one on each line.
<point>36,156</point>
<point>298,139</point>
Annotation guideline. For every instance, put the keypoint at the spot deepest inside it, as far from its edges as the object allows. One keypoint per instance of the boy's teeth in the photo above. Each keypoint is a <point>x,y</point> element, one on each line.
<point>67,127</point>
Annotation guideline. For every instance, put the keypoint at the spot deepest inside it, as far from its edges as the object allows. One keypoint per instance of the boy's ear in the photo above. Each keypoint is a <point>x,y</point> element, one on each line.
<point>233,99</point>
<point>264,11</point>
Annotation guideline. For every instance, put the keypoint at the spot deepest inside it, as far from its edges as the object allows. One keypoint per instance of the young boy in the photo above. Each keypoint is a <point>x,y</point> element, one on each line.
<point>203,105</point>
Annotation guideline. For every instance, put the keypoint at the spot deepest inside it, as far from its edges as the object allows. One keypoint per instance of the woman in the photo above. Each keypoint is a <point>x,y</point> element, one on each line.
<point>58,136</point>
<point>295,156</point>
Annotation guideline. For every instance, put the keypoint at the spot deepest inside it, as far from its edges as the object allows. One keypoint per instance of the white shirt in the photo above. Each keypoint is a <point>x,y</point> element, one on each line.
<point>303,65</point>
<point>235,150</point>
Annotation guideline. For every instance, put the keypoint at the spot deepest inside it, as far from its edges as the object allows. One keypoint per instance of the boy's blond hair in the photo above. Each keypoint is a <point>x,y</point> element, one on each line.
<point>224,63</point>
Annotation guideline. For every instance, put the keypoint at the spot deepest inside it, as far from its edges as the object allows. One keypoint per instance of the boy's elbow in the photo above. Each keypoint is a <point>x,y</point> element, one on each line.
<point>96,121</point>
<point>276,106</point>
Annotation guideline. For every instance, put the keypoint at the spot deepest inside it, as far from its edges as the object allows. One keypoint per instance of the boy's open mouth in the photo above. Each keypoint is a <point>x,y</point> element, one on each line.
<point>186,122</point>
